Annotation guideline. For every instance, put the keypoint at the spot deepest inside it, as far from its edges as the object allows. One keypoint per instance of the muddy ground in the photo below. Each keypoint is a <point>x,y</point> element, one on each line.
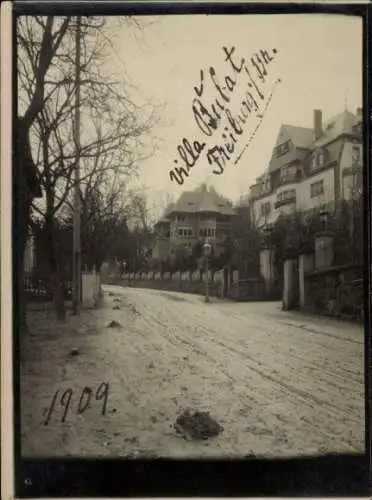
<point>279,383</point>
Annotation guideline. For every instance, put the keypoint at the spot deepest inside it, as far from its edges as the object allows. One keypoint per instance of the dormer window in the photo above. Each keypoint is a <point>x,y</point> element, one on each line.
<point>288,172</point>
<point>320,156</point>
<point>318,159</point>
<point>282,149</point>
<point>264,186</point>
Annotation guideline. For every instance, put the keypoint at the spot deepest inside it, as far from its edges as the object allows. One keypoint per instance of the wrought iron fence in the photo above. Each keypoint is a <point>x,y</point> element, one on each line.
<point>37,288</point>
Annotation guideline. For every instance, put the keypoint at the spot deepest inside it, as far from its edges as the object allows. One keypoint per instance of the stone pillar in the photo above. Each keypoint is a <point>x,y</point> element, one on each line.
<point>267,268</point>
<point>324,249</point>
<point>229,280</point>
<point>290,284</point>
<point>105,270</point>
<point>235,276</point>
<point>305,265</point>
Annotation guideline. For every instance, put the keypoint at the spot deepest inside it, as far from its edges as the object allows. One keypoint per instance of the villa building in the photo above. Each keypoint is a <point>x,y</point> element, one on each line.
<point>198,215</point>
<point>310,168</point>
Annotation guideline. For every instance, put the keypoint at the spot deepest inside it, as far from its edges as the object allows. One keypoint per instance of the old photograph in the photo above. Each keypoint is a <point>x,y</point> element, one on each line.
<point>189,235</point>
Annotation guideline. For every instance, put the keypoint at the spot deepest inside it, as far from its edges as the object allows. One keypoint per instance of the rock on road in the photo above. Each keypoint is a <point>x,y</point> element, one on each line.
<point>280,383</point>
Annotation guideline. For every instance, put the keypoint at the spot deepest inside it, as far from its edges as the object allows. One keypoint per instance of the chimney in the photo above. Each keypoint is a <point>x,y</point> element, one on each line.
<point>318,123</point>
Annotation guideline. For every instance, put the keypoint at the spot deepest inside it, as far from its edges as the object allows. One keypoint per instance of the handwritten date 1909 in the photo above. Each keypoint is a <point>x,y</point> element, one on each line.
<point>84,401</point>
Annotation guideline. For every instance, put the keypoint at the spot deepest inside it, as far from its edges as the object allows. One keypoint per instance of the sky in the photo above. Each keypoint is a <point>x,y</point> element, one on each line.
<point>318,60</point>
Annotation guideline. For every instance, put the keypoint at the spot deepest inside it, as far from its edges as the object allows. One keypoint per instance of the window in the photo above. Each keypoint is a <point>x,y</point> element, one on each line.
<point>282,149</point>
<point>317,189</point>
<point>211,232</point>
<point>185,233</point>
<point>263,185</point>
<point>265,208</point>
<point>318,159</point>
<point>288,172</point>
<point>356,155</point>
<point>286,195</point>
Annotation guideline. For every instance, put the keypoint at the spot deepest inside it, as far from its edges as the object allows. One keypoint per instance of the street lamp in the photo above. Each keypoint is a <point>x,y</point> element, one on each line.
<point>207,248</point>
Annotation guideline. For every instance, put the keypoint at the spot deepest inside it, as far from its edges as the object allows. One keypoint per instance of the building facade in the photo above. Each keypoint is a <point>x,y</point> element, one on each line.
<point>310,168</point>
<point>199,215</point>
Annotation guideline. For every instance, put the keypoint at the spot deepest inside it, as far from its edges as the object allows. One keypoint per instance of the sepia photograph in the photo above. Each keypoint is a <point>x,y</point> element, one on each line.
<point>189,236</point>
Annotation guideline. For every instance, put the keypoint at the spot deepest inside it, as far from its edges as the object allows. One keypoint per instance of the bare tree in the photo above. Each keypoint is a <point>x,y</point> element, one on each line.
<point>102,212</point>
<point>113,126</point>
<point>25,174</point>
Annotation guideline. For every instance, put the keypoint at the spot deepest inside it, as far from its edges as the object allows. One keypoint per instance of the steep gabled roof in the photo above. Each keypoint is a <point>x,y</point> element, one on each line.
<point>300,140</point>
<point>207,203</point>
<point>335,127</point>
<point>203,199</point>
<point>301,137</point>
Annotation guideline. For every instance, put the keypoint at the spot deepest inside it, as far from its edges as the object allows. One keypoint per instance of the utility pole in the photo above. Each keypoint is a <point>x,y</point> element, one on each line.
<point>76,234</point>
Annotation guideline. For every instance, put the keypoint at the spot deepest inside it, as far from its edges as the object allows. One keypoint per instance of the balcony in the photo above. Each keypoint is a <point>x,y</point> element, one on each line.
<point>285,201</point>
<point>290,178</point>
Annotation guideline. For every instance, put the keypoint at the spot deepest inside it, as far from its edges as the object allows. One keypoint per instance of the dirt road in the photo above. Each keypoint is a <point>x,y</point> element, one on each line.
<point>280,383</point>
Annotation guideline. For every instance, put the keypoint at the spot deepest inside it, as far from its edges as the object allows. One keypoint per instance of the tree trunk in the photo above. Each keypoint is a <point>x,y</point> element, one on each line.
<point>22,306</point>
<point>22,199</point>
<point>55,271</point>
<point>21,225</point>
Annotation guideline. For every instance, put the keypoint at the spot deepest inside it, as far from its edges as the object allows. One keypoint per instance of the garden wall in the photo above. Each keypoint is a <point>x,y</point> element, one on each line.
<point>195,287</point>
<point>336,291</point>
<point>233,289</point>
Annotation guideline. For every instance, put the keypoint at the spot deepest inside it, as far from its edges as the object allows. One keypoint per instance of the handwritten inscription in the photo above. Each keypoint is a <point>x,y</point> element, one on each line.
<point>217,116</point>
<point>101,394</point>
